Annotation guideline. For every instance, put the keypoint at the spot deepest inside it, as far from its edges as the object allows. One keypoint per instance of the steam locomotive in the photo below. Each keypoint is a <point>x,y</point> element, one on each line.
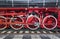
<point>31,14</point>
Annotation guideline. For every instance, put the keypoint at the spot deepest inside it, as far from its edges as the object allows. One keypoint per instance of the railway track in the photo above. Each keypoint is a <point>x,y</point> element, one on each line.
<point>27,31</point>
<point>30,36</point>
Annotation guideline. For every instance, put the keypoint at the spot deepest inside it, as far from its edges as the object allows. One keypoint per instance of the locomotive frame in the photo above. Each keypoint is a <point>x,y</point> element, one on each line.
<point>18,18</point>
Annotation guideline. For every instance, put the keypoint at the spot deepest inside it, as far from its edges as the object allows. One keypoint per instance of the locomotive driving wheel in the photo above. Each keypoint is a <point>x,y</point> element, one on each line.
<point>33,22</point>
<point>17,20</point>
<point>2,23</point>
<point>49,22</point>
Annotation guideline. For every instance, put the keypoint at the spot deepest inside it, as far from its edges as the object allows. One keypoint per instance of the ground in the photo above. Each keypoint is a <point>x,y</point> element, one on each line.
<point>30,34</point>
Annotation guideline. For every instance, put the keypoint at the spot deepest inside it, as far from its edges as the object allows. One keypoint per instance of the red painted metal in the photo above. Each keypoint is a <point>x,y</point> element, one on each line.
<point>11,13</point>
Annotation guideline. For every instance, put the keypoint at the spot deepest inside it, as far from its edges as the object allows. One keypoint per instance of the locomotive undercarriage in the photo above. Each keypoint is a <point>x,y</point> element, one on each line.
<point>30,18</point>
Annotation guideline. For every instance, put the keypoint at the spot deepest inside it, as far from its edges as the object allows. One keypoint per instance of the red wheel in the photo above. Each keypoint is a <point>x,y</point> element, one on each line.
<point>49,22</point>
<point>33,22</point>
<point>2,21</point>
<point>17,20</point>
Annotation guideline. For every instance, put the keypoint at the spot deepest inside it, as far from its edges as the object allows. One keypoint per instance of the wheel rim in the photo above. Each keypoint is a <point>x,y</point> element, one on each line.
<point>33,22</point>
<point>2,21</point>
<point>17,26</point>
<point>49,22</point>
